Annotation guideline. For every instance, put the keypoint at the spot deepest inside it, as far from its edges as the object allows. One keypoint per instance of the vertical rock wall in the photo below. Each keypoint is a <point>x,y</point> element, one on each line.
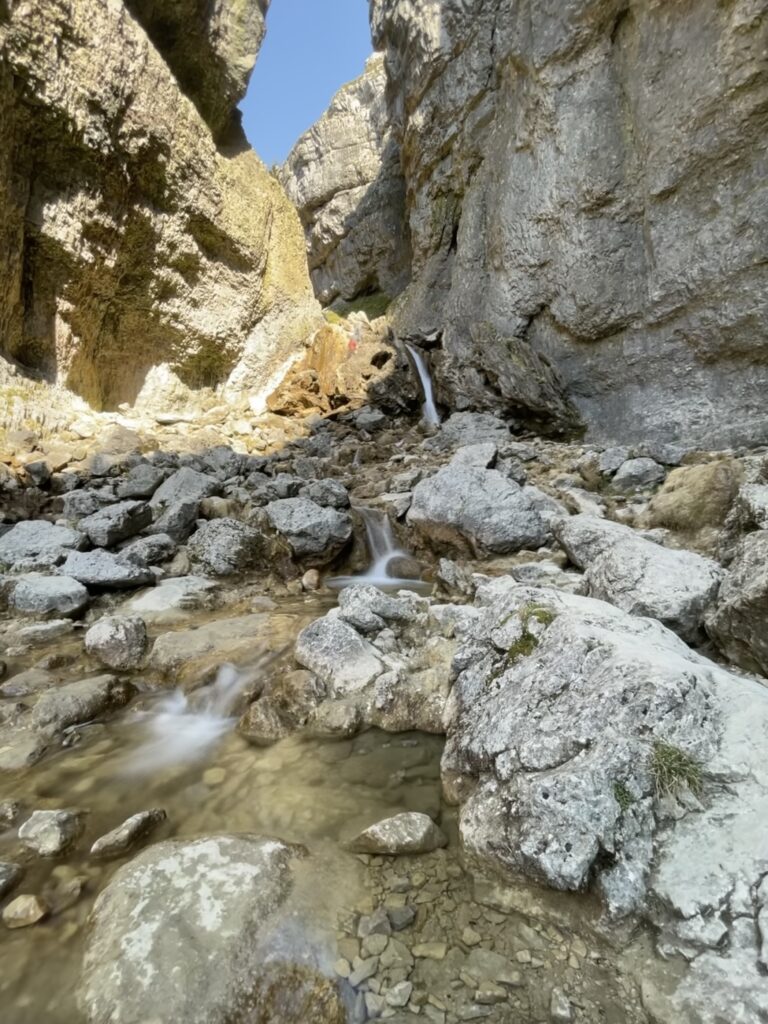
<point>589,177</point>
<point>142,260</point>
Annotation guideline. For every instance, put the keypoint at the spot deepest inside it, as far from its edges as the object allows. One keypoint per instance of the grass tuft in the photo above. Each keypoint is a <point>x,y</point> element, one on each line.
<point>672,769</point>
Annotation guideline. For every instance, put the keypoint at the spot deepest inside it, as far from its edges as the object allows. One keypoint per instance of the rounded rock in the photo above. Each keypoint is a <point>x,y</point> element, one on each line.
<point>117,641</point>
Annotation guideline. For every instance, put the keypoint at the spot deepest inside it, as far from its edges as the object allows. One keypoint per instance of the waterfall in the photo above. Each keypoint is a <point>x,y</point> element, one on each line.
<point>383,550</point>
<point>182,728</point>
<point>429,409</point>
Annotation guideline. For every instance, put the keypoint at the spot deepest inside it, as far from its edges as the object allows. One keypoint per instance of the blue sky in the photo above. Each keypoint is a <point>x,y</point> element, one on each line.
<point>311,48</point>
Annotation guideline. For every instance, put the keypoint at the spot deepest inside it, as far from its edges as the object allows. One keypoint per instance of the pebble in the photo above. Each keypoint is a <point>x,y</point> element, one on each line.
<point>343,968</point>
<point>365,969</point>
<point>25,910</point>
<point>374,945</point>
<point>560,1010</point>
<point>401,917</point>
<point>399,994</point>
<point>430,950</point>
<point>214,776</point>
<point>470,937</point>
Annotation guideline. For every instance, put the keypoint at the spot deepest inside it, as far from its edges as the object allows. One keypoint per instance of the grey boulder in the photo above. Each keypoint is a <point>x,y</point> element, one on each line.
<point>676,587</point>
<point>79,702</point>
<point>126,835</point>
<point>223,547</point>
<point>635,474</point>
<point>116,523</point>
<point>117,641</point>
<point>49,596</point>
<point>184,932</point>
<point>36,541</point>
<point>338,655</point>
<point>313,533</point>
<point>185,484</point>
<point>49,833</point>
<point>102,569</point>
<point>464,507</point>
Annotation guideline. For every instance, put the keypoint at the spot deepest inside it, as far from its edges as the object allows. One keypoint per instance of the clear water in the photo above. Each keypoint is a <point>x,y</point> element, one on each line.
<point>383,551</point>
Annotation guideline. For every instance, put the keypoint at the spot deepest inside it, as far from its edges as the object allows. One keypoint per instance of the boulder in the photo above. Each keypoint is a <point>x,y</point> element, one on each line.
<point>103,570</point>
<point>637,474</point>
<point>185,484</point>
<point>38,541</point>
<point>177,520</point>
<point>117,641</point>
<point>49,596</point>
<point>407,833</point>
<point>314,533</point>
<point>737,622</point>
<point>172,599</point>
<point>224,547</point>
<point>468,508</point>
<point>207,912</point>
<point>146,551</point>
<point>141,481</point>
<point>50,833</point>
<point>338,655</point>
<point>79,702</point>
<point>675,586</point>
<point>115,523</point>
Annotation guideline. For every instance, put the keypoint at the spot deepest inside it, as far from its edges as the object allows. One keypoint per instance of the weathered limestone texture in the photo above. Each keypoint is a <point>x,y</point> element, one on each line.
<point>140,260</point>
<point>588,176</point>
<point>344,177</point>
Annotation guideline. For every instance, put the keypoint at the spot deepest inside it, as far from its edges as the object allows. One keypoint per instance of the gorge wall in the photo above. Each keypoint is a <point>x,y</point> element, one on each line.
<point>584,189</point>
<point>147,250</point>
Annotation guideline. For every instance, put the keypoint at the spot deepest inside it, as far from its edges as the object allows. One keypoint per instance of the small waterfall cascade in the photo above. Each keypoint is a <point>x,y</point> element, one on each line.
<point>182,728</point>
<point>383,550</point>
<point>429,411</point>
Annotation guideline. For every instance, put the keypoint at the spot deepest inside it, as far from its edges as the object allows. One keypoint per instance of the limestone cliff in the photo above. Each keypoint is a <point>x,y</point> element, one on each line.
<point>588,177</point>
<point>344,177</point>
<point>140,259</point>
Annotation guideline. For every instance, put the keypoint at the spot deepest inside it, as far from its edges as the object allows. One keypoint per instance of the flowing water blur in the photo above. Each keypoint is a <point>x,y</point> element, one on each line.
<point>383,550</point>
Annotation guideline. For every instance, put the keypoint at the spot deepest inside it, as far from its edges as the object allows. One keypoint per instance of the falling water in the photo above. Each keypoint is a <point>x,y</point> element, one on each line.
<point>182,729</point>
<point>429,409</point>
<point>383,550</point>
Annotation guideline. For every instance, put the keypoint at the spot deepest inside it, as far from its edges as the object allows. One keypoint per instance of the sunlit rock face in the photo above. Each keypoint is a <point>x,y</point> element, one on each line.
<point>585,176</point>
<point>141,260</point>
<point>344,177</point>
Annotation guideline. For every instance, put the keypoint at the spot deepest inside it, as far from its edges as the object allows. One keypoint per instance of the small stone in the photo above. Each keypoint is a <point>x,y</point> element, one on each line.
<point>430,950</point>
<point>9,875</point>
<point>130,832</point>
<point>376,923</point>
<point>374,1004</point>
<point>410,832</point>
<point>470,937</point>
<point>343,968</point>
<point>489,994</point>
<point>51,832</point>
<point>366,969</point>
<point>401,917</point>
<point>311,580</point>
<point>25,910</point>
<point>560,1010</point>
<point>399,994</point>
<point>214,776</point>
<point>523,957</point>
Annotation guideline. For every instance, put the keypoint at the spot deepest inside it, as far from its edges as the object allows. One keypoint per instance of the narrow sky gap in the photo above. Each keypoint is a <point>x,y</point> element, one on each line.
<point>312,47</point>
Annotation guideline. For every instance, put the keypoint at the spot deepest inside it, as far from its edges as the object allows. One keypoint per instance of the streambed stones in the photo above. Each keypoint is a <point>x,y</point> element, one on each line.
<point>410,832</point>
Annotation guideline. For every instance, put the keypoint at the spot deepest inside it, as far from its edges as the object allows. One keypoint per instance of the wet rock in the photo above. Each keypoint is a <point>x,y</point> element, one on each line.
<point>172,599</point>
<point>53,596</point>
<point>79,702</point>
<point>9,876</point>
<point>223,547</point>
<point>468,508</point>
<point>694,497</point>
<point>737,623</point>
<point>50,833</point>
<point>24,911</point>
<point>39,542</point>
<point>560,1010</point>
<point>185,485</point>
<point>117,641</point>
<point>410,832</point>
<point>313,532</point>
<point>190,653</point>
<point>146,551</point>
<point>311,580</point>
<point>206,911</point>
<point>101,569</point>
<point>33,680</point>
<point>9,813</point>
<point>286,703</point>
<point>116,523</point>
<point>125,836</point>
<point>675,586</point>
<point>338,655</point>
<point>635,474</point>
<point>20,750</point>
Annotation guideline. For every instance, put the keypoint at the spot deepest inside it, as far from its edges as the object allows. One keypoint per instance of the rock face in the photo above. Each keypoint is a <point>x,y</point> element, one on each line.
<point>179,934</point>
<point>142,261</point>
<point>737,622</point>
<point>344,177</point>
<point>559,162</point>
